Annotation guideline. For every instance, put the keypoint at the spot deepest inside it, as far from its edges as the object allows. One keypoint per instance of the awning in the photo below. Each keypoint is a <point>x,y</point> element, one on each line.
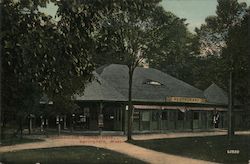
<point>181,108</point>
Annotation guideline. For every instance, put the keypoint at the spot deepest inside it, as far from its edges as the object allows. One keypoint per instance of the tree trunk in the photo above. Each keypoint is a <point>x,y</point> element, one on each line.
<point>130,105</point>
<point>1,133</point>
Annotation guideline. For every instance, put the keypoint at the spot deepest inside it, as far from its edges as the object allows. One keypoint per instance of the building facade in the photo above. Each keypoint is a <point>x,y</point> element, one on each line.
<point>161,103</point>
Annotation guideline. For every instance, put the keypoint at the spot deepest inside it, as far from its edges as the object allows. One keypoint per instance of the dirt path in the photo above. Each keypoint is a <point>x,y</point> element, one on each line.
<point>117,144</point>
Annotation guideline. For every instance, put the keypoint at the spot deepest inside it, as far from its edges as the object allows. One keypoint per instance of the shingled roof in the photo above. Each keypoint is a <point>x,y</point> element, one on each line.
<point>214,94</point>
<point>100,90</point>
<point>149,85</point>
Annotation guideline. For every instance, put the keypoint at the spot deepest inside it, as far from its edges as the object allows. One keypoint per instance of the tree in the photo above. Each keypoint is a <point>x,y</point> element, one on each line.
<point>40,55</point>
<point>123,35</point>
<point>212,39</point>
<point>236,58</point>
<point>224,40</point>
<point>175,49</point>
<point>215,30</point>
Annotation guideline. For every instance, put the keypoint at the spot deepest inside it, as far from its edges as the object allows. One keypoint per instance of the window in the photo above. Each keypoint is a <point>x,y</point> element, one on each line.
<point>136,115</point>
<point>145,116</point>
<point>196,115</point>
<point>164,115</point>
<point>86,111</point>
<point>180,115</point>
<point>155,116</point>
<point>172,115</point>
<point>152,82</point>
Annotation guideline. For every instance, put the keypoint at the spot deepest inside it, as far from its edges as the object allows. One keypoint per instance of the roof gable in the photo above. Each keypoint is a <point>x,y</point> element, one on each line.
<point>214,94</point>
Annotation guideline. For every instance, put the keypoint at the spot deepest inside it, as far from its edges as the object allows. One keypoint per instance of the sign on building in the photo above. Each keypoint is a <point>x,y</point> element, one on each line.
<point>186,99</point>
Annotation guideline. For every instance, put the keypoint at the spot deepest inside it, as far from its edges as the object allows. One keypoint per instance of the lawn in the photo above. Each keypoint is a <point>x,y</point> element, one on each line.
<point>63,155</point>
<point>211,148</point>
<point>17,140</point>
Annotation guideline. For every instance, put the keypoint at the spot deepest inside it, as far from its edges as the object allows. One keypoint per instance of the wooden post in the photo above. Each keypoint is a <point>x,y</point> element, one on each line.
<point>206,119</point>
<point>230,108</point>
<point>175,119</point>
<point>64,122</point>
<point>59,129</point>
<point>150,120</point>
<point>184,120</point>
<point>100,119</point>
<point>72,122</point>
<point>30,125</point>
<point>42,123</point>
<point>192,120</point>
<point>139,120</point>
<point>124,119</point>
<point>168,119</point>
<point>58,124</point>
<point>160,119</point>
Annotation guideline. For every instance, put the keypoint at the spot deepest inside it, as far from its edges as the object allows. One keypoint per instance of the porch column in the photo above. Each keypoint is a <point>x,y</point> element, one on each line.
<point>192,120</point>
<point>168,119</point>
<point>30,125</point>
<point>160,120</point>
<point>122,113</point>
<point>175,119</point>
<point>100,118</point>
<point>124,117</point>
<point>64,122</point>
<point>184,119</point>
<point>206,119</point>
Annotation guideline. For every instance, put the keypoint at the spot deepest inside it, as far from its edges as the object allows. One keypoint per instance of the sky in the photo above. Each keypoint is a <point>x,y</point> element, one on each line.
<point>195,11</point>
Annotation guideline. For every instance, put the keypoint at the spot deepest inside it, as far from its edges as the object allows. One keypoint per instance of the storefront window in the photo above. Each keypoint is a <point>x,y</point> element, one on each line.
<point>196,115</point>
<point>145,116</point>
<point>155,116</point>
<point>180,115</point>
<point>164,115</point>
<point>172,115</point>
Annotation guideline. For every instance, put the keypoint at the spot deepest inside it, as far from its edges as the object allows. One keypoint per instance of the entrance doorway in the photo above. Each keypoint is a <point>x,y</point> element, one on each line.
<point>108,118</point>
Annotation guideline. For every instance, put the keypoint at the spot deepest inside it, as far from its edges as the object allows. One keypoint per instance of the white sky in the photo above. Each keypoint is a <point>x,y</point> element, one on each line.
<point>195,11</point>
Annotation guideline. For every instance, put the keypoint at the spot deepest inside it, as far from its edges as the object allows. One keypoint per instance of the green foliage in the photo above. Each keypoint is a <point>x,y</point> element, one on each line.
<point>173,49</point>
<point>236,57</point>
<point>215,30</point>
<point>122,36</point>
<point>225,47</point>
<point>40,55</point>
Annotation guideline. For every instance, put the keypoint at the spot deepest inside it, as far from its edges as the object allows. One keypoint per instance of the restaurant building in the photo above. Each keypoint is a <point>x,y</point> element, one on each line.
<point>161,102</point>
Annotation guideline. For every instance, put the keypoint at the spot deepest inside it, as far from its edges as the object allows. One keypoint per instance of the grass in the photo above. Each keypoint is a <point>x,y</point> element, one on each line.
<point>210,148</point>
<point>13,140</point>
<point>63,155</point>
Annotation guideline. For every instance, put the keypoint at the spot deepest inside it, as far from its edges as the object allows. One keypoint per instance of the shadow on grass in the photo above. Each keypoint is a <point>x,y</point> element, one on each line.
<point>210,148</point>
<point>70,154</point>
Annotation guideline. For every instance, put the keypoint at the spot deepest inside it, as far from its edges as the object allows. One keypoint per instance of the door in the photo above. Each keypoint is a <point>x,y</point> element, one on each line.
<point>108,118</point>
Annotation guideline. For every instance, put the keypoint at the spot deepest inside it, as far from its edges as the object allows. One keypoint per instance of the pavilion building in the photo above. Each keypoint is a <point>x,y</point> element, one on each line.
<point>161,102</point>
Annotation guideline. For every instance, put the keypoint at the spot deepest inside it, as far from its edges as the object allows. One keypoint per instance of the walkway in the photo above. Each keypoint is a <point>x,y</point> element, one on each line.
<point>118,144</point>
